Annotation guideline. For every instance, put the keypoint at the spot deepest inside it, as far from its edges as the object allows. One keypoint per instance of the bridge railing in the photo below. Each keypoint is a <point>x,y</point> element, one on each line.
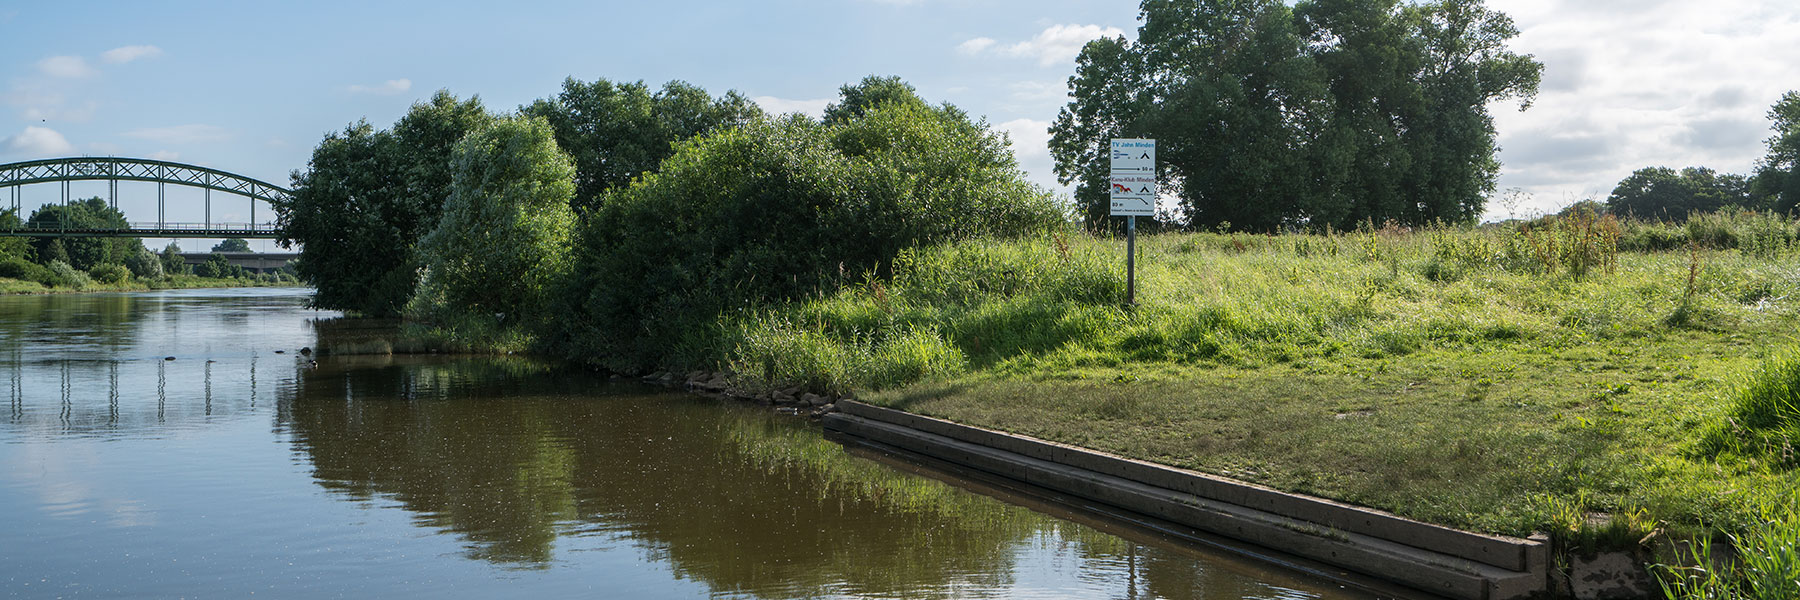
<point>263,227</point>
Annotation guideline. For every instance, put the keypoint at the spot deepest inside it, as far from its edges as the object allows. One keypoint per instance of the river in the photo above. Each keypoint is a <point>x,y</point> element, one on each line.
<point>177,444</point>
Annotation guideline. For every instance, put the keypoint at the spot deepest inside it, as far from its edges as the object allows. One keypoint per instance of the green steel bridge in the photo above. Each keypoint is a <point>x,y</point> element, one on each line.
<point>113,170</point>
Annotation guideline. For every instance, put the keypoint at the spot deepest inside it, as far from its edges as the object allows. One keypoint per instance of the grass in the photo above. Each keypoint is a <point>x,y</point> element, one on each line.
<point>10,286</point>
<point>1494,380</point>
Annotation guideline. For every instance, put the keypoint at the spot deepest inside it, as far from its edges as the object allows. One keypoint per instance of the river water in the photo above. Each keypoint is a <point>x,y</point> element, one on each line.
<point>176,444</point>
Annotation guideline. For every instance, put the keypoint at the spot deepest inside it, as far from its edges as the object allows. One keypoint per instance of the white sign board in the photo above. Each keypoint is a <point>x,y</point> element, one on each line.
<point>1133,178</point>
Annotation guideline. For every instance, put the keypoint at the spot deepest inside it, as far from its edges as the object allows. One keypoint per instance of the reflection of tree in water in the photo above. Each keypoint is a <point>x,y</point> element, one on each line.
<point>509,457</point>
<point>742,500</point>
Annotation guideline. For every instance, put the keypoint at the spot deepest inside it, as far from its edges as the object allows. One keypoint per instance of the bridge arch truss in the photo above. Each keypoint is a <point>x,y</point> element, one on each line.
<point>163,173</point>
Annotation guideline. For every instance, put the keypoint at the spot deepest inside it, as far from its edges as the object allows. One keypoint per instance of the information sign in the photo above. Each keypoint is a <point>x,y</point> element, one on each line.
<point>1133,178</point>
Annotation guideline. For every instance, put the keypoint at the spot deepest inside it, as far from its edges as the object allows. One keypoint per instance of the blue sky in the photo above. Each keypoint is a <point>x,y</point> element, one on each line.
<point>251,87</point>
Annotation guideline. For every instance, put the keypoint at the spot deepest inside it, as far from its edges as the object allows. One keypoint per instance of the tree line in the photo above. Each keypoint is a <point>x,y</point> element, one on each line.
<point>617,224</point>
<point>77,261</point>
<point>1774,186</point>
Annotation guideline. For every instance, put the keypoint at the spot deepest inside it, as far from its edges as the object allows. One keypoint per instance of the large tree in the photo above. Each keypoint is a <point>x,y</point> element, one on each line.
<point>1778,174</point>
<point>83,253</point>
<point>618,131</point>
<point>504,234</point>
<point>367,197</point>
<point>1328,113</point>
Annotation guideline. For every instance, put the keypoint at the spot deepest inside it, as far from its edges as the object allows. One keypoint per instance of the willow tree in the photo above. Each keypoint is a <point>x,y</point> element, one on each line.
<point>503,238</point>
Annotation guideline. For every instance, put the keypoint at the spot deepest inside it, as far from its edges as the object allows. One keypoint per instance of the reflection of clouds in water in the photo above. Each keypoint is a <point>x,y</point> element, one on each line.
<point>60,472</point>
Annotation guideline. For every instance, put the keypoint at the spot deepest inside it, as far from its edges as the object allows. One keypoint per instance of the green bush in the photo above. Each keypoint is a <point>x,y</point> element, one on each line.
<point>144,264</point>
<point>61,274</point>
<point>780,210</point>
<point>110,273</point>
<point>24,270</point>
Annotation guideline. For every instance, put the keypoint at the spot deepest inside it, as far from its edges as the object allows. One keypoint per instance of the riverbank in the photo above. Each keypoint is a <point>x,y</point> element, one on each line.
<point>16,286</point>
<point>1490,381</point>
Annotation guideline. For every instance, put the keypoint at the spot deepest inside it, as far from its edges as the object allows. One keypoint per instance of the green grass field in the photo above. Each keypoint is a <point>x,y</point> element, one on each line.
<point>1493,380</point>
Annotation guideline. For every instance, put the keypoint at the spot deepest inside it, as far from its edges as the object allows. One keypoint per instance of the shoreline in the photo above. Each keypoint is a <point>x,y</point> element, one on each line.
<point>7,287</point>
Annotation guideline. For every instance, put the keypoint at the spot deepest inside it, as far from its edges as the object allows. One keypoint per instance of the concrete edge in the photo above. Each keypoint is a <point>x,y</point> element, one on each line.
<point>1527,560</point>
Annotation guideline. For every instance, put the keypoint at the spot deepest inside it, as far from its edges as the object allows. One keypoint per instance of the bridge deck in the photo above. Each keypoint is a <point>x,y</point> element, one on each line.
<point>153,230</point>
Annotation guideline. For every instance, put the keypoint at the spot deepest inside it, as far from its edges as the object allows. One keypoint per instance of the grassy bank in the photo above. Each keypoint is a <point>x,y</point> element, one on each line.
<point>16,286</point>
<point>1498,380</point>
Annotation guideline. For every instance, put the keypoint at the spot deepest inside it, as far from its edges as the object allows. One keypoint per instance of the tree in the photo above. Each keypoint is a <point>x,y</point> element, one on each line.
<point>1778,175</point>
<point>367,197</point>
<point>1663,193</point>
<point>780,209</point>
<point>232,245</point>
<point>82,253</point>
<point>172,262</point>
<point>872,91</point>
<point>504,234</point>
<point>618,131</point>
<point>217,266</point>
<point>1329,113</point>
<point>12,248</point>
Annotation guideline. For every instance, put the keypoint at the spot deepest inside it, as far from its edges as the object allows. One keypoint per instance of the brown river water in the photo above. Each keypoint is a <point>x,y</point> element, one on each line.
<point>234,471</point>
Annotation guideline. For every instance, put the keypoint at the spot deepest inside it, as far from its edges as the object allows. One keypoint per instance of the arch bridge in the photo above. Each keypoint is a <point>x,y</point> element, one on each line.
<point>113,170</point>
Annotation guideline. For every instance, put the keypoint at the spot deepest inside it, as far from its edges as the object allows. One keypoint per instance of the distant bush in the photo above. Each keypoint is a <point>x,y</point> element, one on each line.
<point>144,264</point>
<point>110,273</point>
<point>67,276</point>
<point>24,270</point>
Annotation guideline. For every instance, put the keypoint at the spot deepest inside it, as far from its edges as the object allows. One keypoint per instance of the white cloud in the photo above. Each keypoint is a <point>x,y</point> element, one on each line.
<point>782,106</point>
<point>1031,146</point>
<point>36,141</point>
<point>975,46</point>
<point>125,54</point>
<point>183,134</point>
<point>1057,44</point>
<point>66,67</point>
<point>388,88</point>
<point>1629,85</point>
<point>164,155</point>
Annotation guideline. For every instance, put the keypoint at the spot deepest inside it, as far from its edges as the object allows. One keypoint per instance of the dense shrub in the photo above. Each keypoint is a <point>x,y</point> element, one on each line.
<point>23,270</point>
<point>110,273</point>
<point>780,210</point>
<point>61,274</point>
<point>144,264</point>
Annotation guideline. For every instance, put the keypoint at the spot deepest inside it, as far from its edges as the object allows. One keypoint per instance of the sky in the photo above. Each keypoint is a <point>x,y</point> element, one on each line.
<point>251,87</point>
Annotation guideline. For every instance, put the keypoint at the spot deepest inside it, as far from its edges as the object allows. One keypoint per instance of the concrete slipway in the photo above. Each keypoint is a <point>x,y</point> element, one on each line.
<point>1429,558</point>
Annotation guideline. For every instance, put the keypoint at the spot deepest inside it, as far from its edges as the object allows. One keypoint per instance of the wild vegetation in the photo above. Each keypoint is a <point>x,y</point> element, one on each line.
<point>1322,314</point>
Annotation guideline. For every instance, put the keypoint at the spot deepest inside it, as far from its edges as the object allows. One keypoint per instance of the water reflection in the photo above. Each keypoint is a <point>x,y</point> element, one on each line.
<point>365,475</point>
<point>517,461</point>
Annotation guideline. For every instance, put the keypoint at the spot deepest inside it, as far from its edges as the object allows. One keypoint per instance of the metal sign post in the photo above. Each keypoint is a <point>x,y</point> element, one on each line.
<point>1133,196</point>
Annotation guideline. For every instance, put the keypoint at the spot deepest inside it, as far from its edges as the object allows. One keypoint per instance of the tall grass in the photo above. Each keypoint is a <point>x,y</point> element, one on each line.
<point>1054,302</point>
<point>1764,566</point>
<point>1764,422</point>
